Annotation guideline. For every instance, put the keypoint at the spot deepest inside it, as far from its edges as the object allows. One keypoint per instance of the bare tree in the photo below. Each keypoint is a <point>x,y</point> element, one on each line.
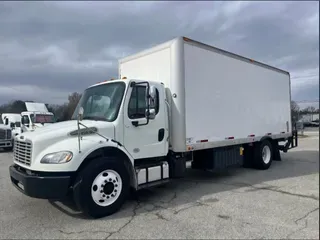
<point>73,102</point>
<point>295,109</point>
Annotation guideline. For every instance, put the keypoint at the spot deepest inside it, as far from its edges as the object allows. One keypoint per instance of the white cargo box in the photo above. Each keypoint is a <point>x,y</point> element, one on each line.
<point>217,98</point>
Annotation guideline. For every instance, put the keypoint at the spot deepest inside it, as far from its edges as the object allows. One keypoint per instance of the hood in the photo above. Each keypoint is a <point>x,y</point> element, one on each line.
<point>59,131</point>
<point>2,126</point>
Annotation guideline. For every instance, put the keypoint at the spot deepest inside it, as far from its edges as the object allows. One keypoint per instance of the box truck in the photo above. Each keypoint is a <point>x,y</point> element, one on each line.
<point>179,101</point>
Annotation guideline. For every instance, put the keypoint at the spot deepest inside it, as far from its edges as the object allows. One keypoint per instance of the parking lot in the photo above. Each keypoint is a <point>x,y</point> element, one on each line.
<point>282,202</point>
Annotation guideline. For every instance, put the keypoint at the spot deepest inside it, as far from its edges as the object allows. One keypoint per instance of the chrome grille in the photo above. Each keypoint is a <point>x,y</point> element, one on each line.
<point>9,134</point>
<point>3,134</point>
<point>22,152</point>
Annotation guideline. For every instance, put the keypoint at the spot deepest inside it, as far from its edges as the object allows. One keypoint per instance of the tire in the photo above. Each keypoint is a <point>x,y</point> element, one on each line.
<point>101,187</point>
<point>263,155</point>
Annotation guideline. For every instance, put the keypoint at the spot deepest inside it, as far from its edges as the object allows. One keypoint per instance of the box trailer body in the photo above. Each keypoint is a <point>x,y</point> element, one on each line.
<point>179,101</point>
<point>217,98</point>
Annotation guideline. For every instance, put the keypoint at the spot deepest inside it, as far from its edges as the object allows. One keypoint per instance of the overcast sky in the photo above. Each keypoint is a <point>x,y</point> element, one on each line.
<point>49,49</point>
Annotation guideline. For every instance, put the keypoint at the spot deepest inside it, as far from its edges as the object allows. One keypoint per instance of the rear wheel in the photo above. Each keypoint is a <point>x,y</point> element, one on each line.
<point>102,187</point>
<point>263,155</point>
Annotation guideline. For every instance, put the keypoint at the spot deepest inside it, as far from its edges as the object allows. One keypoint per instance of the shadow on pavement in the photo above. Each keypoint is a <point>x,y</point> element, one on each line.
<point>198,184</point>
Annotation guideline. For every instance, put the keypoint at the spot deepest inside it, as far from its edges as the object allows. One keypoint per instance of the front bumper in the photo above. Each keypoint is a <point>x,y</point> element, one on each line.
<point>5,143</point>
<point>39,185</point>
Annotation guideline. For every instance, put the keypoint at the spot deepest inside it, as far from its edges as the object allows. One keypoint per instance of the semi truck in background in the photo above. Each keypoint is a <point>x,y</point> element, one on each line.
<point>176,102</point>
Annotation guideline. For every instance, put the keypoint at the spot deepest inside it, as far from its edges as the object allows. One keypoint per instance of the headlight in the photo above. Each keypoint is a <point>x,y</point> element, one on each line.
<point>57,157</point>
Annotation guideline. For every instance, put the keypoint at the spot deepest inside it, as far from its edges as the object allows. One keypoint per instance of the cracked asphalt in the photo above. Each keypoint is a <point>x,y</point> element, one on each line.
<point>282,202</point>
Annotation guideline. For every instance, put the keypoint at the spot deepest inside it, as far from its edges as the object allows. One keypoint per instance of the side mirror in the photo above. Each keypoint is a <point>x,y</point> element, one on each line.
<point>151,96</point>
<point>151,114</point>
<point>22,120</point>
<point>6,121</point>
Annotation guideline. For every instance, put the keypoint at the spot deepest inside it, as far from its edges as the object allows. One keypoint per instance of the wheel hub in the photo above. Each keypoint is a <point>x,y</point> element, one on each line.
<point>266,154</point>
<point>106,188</point>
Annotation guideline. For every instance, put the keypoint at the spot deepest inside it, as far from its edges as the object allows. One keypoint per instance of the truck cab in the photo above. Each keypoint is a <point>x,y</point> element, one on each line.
<point>6,141</point>
<point>33,120</point>
<point>12,120</point>
<point>119,128</point>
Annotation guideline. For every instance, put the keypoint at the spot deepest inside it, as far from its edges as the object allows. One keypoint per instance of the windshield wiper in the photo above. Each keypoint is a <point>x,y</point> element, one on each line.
<point>95,118</point>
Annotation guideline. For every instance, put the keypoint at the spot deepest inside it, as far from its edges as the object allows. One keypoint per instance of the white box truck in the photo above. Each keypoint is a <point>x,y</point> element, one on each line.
<point>179,101</point>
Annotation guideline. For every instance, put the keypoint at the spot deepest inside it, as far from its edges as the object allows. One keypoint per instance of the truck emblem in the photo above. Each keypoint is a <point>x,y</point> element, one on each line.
<point>136,150</point>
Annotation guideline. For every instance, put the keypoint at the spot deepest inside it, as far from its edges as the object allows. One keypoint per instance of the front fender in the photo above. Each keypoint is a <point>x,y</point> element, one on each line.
<point>88,144</point>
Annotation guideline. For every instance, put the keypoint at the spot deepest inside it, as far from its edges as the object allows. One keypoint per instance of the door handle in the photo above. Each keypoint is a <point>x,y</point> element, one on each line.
<point>160,134</point>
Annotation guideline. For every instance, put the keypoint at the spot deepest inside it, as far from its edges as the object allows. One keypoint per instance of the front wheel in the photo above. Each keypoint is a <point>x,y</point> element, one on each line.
<point>102,187</point>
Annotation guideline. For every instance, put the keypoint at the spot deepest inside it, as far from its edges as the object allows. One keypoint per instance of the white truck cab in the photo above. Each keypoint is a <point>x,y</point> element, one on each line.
<point>6,140</point>
<point>12,120</point>
<point>36,116</point>
<point>33,120</point>
<point>139,130</point>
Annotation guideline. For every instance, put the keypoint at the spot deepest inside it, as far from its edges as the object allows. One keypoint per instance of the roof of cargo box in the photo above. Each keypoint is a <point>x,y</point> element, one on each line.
<point>202,45</point>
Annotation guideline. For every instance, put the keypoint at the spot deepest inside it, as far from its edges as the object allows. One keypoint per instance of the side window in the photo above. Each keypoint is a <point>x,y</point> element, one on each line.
<point>25,119</point>
<point>137,103</point>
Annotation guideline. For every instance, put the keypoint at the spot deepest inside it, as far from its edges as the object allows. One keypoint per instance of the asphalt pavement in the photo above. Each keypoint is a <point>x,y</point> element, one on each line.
<point>282,202</point>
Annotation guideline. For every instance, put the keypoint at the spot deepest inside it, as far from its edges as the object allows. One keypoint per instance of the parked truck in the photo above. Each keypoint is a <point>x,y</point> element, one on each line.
<point>179,101</point>
<point>12,120</point>
<point>36,116</point>
<point>6,140</point>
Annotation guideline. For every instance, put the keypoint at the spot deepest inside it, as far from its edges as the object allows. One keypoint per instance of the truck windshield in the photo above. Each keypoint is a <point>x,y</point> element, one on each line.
<point>101,102</point>
<point>42,118</point>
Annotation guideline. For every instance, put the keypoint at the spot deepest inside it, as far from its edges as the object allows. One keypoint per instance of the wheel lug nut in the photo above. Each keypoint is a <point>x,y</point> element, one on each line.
<point>115,190</point>
<point>108,197</point>
<point>110,179</point>
<point>116,185</point>
<point>114,181</point>
<point>112,195</point>
<point>103,195</point>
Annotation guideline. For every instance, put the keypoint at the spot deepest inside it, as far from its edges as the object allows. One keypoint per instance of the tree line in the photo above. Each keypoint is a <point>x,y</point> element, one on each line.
<point>297,113</point>
<point>64,111</point>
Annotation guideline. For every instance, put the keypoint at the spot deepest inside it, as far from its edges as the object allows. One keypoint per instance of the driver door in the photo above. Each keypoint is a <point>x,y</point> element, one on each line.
<point>149,139</point>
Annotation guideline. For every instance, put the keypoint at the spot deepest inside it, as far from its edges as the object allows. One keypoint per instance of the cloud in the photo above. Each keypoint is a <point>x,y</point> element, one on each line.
<point>49,49</point>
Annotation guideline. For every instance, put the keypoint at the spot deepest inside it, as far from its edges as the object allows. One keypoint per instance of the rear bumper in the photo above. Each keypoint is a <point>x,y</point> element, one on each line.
<point>38,185</point>
<point>292,142</point>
